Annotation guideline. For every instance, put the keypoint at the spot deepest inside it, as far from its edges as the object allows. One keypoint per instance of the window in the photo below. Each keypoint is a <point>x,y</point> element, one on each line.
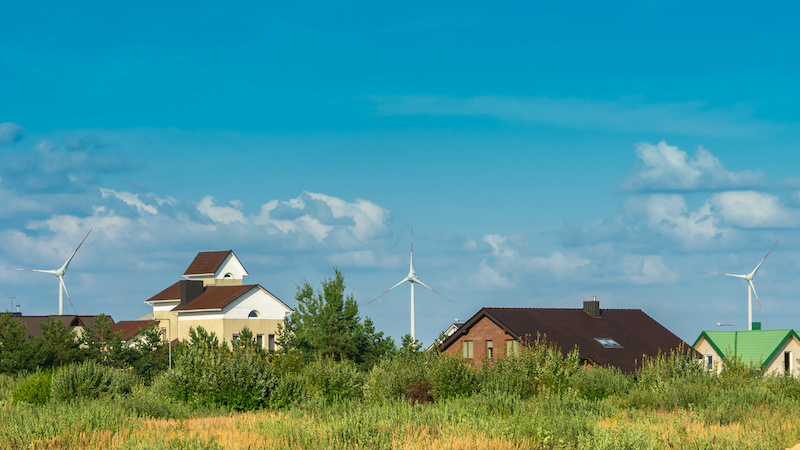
<point>466,349</point>
<point>709,362</point>
<point>608,343</point>
<point>253,314</point>
<point>512,347</point>
<point>270,342</point>
<point>489,349</point>
<point>260,340</point>
<point>164,334</point>
<point>787,362</point>
<point>235,338</point>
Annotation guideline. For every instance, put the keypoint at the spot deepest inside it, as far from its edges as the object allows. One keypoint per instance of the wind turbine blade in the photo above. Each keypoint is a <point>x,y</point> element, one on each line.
<point>33,270</point>
<point>66,264</point>
<point>433,290</point>
<point>753,273</point>
<point>64,286</point>
<point>398,284</point>
<point>753,287</point>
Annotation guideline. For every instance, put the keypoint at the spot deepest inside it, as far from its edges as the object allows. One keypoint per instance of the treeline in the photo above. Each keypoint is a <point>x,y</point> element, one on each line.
<point>58,346</point>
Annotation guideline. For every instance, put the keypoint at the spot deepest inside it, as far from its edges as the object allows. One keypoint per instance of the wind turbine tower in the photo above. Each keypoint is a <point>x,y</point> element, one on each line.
<point>412,279</point>
<point>751,288</point>
<point>59,273</point>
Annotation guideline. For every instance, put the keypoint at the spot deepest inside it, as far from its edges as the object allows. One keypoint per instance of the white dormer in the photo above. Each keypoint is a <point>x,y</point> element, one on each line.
<point>216,268</point>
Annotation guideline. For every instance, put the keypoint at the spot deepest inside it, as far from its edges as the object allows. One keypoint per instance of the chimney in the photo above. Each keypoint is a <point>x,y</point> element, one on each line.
<point>190,290</point>
<point>592,307</point>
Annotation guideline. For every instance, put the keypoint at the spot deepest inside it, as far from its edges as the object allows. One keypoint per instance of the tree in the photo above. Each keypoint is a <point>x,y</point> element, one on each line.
<point>12,340</point>
<point>101,344</point>
<point>62,342</point>
<point>327,324</point>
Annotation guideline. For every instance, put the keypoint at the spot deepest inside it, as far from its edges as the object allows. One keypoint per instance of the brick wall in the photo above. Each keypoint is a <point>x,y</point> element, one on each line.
<point>484,330</point>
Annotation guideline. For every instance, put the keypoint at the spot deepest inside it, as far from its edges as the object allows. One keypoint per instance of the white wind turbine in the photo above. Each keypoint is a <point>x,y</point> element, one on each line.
<point>751,289</point>
<point>60,272</point>
<point>412,279</point>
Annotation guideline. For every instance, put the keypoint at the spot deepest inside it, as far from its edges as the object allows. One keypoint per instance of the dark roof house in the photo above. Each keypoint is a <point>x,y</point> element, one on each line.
<point>607,337</point>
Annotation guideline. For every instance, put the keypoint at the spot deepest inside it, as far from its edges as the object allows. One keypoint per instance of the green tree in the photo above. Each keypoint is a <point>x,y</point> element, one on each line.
<point>326,324</point>
<point>409,344</point>
<point>102,345</point>
<point>62,343</point>
<point>12,340</point>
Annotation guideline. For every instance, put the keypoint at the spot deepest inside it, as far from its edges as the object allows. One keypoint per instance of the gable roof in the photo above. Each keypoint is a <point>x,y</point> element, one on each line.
<point>171,293</point>
<point>130,328</point>
<point>753,347</point>
<point>34,323</point>
<point>637,333</point>
<point>207,263</point>
<point>216,297</point>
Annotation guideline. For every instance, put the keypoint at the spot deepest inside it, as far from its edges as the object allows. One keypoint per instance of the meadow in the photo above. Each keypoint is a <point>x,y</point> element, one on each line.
<point>242,397</point>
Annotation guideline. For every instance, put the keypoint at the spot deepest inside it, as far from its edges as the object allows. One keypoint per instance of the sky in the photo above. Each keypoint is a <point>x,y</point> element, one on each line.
<point>544,154</point>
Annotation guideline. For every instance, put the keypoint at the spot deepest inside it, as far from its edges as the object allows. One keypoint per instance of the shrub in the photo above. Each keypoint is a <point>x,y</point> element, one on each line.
<point>90,380</point>
<point>33,389</point>
<point>597,383</point>
<point>451,377</point>
<point>391,377</point>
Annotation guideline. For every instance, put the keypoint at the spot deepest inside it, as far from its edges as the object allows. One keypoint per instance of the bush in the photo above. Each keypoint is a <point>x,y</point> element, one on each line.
<point>90,380</point>
<point>390,378</point>
<point>33,389</point>
<point>451,377</point>
<point>597,383</point>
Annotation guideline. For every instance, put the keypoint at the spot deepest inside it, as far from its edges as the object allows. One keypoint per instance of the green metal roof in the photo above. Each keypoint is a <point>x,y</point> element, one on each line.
<point>756,347</point>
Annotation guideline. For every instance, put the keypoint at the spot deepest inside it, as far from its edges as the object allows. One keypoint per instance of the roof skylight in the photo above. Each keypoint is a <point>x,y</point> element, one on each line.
<point>608,342</point>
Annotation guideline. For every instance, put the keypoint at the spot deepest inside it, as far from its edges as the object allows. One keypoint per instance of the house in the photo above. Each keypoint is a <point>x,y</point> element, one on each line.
<point>213,295</point>
<point>771,351</point>
<point>604,337</point>
<point>131,330</point>
<point>78,324</point>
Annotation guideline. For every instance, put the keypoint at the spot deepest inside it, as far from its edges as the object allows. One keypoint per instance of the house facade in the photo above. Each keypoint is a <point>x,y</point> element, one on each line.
<point>604,337</point>
<point>213,295</point>
<point>772,351</point>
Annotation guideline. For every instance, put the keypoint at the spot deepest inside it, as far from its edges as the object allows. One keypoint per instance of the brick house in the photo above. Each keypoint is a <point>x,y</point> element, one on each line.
<point>608,337</point>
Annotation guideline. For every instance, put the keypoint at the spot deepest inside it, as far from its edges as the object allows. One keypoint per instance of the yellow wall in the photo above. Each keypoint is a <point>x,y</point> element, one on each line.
<point>226,328</point>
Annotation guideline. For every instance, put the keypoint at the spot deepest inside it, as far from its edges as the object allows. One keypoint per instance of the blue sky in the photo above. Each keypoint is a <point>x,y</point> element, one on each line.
<point>544,154</point>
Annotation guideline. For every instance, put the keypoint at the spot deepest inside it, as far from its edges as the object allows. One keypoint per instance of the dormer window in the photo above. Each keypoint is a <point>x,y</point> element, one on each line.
<point>608,343</point>
<point>253,314</point>
<point>228,275</point>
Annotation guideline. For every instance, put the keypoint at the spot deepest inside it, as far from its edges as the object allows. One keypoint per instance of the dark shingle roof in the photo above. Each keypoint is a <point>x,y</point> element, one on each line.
<point>34,323</point>
<point>130,328</point>
<point>636,332</point>
<point>216,297</point>
<point>171,293</point>
<point>206,263</point>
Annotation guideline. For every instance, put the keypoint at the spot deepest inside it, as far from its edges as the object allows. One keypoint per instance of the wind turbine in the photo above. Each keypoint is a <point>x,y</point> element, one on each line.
<point>60,272</point>
<point>751,289</point>
<point>412,279</point>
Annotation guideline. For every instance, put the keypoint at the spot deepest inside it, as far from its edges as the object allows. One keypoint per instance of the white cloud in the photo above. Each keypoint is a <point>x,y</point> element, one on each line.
<point>134,200</point>
<point>488,279</point>
<point>752,209</point>
<point>667,167</point>
<point>646,269</point>
<point>509,258</point>
<point>368,218</point>
<point>669,215</point>
<point>10,132</point>
<point>220,214</point>
<point>688,118</point>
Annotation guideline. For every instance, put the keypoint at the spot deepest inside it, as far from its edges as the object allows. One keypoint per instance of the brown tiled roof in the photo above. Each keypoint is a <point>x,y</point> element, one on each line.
<point>207,262</point>
<point>130,328</point>
<point>636,332</point>
<point>171,293</point>
<point>216,297</point>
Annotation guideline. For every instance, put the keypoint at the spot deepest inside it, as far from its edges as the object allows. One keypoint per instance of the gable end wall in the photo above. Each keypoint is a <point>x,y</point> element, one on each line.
<point>484,330</point>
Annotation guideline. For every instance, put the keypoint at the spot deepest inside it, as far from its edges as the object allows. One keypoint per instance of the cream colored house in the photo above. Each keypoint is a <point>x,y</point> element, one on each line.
<point>772,351</point>
<point>213,296</point>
